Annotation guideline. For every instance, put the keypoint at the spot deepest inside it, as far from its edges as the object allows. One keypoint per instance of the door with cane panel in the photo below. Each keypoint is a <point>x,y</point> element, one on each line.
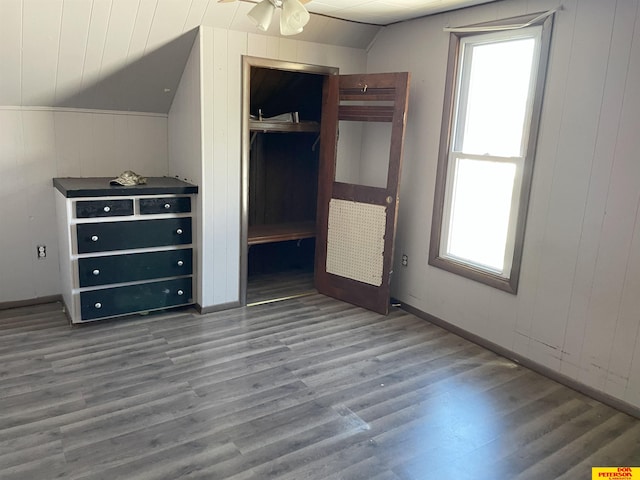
<point>362,133</point>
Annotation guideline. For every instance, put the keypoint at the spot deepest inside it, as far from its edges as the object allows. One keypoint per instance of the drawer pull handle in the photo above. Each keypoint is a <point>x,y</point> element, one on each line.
<point>167,206</point>
<point>179,231</point>
<point>180,292</point>
<point>94,238</point>
<point>96,272</point>
<point>98,305</point>
<point>180,263</point>
<point>107,209</point>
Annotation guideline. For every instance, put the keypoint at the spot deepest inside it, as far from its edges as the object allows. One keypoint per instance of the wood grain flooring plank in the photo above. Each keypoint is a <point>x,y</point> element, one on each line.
<point>166,464</point>
<point>577,449</point>
<point>522,425</point>
<point>18,443</point>
<point>354,461</point>
<point>26,455</point>
<point>546,445</point>
<point>624,450</point>
<point>142,414</point>
<point>16,419</point>
<point>45,468</point>
<point>307,388</point>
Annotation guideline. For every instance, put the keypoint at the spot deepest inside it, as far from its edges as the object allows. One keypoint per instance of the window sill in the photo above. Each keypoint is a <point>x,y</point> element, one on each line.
<point>509,285</point>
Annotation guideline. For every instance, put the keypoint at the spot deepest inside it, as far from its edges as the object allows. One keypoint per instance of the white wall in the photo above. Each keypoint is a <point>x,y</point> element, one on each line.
<point>185,146</point>
<point>222,52</point>
<point>37,144</point>
<point>578,306</point>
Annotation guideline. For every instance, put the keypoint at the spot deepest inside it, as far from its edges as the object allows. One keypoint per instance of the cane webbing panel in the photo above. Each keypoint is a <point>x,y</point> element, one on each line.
<point>355,240</point>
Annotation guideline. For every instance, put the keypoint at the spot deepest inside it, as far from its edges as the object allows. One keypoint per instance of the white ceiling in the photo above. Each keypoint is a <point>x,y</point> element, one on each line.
<point>117,54</point>
<point>385,12</point>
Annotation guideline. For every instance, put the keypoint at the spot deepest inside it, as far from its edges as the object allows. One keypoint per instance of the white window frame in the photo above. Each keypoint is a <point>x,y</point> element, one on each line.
<point>451,136</point>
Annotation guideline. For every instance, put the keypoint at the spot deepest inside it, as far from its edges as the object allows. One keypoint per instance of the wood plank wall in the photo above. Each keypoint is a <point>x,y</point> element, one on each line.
<point>221,74</point>
<point>37,144</point>
<point>578,309</point>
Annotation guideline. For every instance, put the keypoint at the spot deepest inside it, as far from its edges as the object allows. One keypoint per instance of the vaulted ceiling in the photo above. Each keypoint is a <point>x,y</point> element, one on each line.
<point>80,53</point>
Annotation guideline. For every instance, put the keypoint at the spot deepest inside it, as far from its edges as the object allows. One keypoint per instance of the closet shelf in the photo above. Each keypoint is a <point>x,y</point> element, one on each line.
<point>267,126</point>
<point>280,232</point>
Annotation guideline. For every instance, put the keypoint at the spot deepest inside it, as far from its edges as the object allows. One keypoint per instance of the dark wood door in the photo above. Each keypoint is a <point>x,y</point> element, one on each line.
<point>362,134</point>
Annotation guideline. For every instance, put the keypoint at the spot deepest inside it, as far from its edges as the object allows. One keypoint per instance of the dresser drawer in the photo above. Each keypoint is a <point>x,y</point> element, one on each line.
<point>135,266</point>
<point>103,208</point>
<point>135,298</point>
<point>104,237</point>
<point>165,205</point>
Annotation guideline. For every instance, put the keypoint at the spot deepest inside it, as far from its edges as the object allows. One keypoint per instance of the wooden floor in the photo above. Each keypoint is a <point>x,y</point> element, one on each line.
<point>279,285</point>
<point>309,388</point>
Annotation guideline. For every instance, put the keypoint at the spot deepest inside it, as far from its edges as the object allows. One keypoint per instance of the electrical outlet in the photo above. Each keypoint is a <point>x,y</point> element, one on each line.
<point>41,251</point>
<point>405,260</point>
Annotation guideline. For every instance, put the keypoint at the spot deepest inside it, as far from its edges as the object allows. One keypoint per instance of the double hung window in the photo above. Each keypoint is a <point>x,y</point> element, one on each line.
<point>490,125</point>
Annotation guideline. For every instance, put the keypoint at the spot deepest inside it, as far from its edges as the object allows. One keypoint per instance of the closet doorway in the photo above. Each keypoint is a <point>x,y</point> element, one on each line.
<point>322,156</point>
<point>282,110</point>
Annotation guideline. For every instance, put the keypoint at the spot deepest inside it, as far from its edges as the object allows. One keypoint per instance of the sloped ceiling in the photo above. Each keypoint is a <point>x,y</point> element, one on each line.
<point>130,54</point>
<point>119,54</point>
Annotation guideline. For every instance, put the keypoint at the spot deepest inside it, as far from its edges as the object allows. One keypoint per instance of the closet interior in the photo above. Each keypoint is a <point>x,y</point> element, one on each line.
<point>284,134</point>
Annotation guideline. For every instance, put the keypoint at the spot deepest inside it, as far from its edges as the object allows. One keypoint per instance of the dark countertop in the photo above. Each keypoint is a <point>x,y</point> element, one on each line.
<point>72,187</point>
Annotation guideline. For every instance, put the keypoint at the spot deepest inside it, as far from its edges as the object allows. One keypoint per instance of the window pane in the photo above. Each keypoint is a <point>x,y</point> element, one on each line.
<point>480,211</point>
<point>493,116</point>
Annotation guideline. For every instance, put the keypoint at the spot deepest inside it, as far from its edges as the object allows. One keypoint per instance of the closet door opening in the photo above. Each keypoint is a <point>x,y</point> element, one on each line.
<point>282,108</point>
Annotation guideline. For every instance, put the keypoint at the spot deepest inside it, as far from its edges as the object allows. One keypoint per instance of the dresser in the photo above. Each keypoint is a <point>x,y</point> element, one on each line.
<point>124,250</point>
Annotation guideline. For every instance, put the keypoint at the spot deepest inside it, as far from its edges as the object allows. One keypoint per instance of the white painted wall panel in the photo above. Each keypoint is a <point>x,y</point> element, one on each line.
<point>236,47</point>
<point>625,360</point>
<point>196,13</point>
<point>38,144</point>
<point>76,16</point>
<point>577,310</point>
<point>220,193</point>
<point>40,42</point>
<point>614,318</point>
<point>168,22</point>
<point>98,27</point>
<point>222,168</point>
<point>120,29</point>
<point>210,269</point>
<point>37,169</point>
<point>73,142</point>
<point>141,28</point>
<point>546,157</point>
<point>575,152</point>
<point>15,241</point>
<point>10,53</point>
<point>146,137</point>
<point>185,146</point>
<point>590,270</point>
<point>185,125</point>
